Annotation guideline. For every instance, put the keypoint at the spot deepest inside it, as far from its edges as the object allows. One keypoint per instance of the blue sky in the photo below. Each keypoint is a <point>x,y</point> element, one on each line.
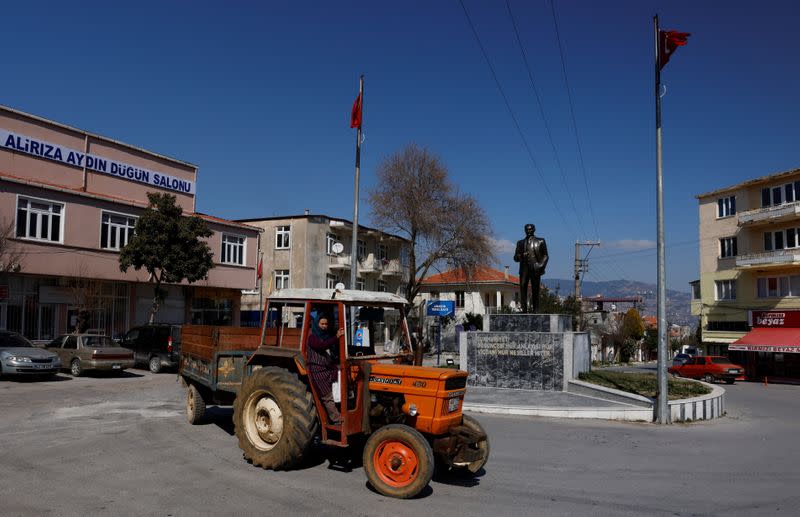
<point>258,95</point>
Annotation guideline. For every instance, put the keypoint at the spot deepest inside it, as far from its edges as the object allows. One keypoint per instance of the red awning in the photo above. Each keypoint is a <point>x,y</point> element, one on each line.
<point>785,341</point>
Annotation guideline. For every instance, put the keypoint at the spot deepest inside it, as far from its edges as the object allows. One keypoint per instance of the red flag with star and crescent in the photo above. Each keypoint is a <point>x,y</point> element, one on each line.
<point>355,115</point>
<point>668,43</point>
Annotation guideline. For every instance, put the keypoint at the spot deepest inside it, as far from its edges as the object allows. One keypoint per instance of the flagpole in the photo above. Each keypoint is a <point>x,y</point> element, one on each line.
<point>663,393</point>
<point>354,244</point>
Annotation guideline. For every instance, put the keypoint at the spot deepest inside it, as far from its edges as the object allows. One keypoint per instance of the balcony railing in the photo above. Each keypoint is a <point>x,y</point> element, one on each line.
<point>339,261</point>
<point>769,213</point>
<point>767,258</point>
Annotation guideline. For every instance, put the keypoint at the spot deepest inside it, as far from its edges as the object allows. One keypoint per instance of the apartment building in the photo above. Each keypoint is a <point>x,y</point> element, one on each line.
<point>69,201</point>
<point>748,294</point>
<point>303,251</point>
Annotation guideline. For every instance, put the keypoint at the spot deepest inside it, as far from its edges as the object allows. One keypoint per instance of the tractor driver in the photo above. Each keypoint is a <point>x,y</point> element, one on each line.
<point>322,347</point>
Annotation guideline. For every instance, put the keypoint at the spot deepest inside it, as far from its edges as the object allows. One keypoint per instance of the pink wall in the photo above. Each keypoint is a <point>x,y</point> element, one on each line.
<point>80,254</point>
<point>44,170</point>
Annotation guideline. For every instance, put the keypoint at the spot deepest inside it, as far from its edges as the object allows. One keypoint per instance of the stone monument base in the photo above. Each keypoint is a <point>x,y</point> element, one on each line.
<point>525,351</point>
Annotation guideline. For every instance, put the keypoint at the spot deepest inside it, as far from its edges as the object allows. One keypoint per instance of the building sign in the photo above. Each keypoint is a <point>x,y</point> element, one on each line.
<point>67,156</point>
<point>775,319</point>
<point>441,308</point>
<point>780,349</point>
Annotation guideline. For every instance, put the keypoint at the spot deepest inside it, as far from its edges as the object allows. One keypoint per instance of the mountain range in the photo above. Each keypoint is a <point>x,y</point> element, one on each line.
<point>678,302</point>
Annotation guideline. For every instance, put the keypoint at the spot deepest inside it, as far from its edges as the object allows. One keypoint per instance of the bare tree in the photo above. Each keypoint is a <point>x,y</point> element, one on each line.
<point>414,198</point>
<point>86,293</point>
<point>10,255</point>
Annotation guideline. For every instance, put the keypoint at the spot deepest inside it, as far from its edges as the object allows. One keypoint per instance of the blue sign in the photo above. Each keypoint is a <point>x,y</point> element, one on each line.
<point>441,308</point>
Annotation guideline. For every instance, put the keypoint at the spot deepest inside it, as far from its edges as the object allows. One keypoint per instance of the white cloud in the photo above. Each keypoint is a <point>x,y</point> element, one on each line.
<point>630,244</point>
<point>503,246</point>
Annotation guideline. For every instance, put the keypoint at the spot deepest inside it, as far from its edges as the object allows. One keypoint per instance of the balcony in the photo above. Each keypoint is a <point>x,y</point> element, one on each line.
<point>339,261</point>
<point>769,258</point>
<point>770,213</point>
<point>392,267</point>
<point>370,264</point>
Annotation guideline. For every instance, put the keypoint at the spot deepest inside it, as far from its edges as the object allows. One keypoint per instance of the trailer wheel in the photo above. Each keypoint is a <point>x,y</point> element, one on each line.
<point>483,445</point>
<point>398,461</point>
<point>275,418</point>
<point>195,405</point>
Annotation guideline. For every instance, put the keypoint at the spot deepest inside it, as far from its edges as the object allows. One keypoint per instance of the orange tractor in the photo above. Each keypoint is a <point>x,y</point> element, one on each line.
<point>407,417</point>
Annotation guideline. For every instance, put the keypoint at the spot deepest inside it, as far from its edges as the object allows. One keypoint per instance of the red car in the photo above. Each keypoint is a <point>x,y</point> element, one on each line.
<point>710,368</point>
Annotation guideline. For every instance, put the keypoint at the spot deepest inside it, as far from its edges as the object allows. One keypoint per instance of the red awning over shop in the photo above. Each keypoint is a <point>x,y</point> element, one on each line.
<point>780,340</point>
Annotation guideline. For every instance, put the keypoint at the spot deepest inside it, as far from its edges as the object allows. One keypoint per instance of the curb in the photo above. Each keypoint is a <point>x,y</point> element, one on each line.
<point>631,414</point>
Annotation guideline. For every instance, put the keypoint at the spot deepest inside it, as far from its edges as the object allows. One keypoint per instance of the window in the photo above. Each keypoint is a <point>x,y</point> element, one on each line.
<point>383,252</point>
<point>696,291</point>
<point>773,196</point>
<point>38,219</point>
<point>361,249</point>
<point>727,247</point>
<point>71,343</point>
<point>360,284</point>
<point>330,281</point>
<point>434,295</point>
<point>330,240</point>
<point>726,206</point>
<point>281,279</point>
<point>232,249</point>
<point>382,286</point>
<point>781,286</point>
<point>282,237</point>
<point>115,230</point>
<point>460,299</point>
<point>726,289</point>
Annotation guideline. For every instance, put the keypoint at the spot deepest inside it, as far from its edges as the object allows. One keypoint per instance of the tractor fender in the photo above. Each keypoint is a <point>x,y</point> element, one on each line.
<point>285,358</point>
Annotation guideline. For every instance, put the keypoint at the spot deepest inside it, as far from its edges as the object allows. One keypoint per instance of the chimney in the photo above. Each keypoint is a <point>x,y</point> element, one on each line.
<point>505,273</point>
<point>305,211</point>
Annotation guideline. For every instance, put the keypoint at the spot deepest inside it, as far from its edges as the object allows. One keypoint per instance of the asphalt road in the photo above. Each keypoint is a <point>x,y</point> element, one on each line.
<point>121,446</point>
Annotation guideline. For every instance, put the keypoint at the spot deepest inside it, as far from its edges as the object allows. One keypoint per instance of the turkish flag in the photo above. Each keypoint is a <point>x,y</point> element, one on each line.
<point>259,272</point>
<point>668,42</point>
<point>355,115</point>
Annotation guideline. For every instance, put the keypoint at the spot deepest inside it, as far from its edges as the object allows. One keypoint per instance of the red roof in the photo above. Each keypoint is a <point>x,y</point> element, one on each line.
<point>650,321</point>
<point>482,274</point>
<point>786,340</point>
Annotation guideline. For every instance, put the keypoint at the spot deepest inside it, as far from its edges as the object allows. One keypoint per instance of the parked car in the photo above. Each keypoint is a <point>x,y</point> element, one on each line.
<point>710,368</point>
<point>18,356</point>
<point>680,359</point>
<point>82,352</point>
<point>156,345</point>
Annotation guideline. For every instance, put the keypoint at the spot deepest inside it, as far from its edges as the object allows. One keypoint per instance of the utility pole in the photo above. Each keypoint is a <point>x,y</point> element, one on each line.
<point>581,266</point>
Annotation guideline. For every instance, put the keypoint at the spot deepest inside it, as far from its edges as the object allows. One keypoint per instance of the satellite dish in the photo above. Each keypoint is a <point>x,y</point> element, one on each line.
<point>337,248</point>
<point>340,285</point>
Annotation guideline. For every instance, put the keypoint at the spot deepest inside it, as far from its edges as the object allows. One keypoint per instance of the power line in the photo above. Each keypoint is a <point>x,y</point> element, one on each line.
<point>645,250</point>
<point>544,118</point>
<point>514,119</point>
<point>572,114</point>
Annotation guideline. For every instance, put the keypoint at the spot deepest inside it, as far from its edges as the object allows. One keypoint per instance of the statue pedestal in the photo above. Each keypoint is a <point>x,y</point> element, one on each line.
<point>525,351</point>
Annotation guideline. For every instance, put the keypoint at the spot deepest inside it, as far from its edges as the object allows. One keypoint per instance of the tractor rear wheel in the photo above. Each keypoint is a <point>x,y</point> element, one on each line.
<point>274,418</point>
<point>483,445</point>
<point>398,461</point>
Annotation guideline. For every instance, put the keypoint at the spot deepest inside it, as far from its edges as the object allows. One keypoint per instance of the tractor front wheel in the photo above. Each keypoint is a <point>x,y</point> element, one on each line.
<point>398,461</point>
<point>482,446</point>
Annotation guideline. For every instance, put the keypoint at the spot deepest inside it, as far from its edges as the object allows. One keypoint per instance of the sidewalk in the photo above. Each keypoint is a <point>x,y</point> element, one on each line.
<point>557,404</point>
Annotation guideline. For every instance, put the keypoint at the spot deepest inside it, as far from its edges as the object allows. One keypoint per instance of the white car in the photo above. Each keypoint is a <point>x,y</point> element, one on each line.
<point>19,357</point>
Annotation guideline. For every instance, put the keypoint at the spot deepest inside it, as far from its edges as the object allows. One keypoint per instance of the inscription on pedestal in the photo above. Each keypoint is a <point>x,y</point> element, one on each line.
<point>521,360</point>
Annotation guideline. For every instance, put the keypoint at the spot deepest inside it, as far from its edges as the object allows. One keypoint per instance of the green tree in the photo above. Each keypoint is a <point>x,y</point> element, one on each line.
<point>168,246</point>
<point>632,325</point>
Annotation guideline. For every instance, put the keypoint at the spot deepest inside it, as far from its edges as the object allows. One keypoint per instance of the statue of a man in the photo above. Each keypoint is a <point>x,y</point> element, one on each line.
<point>532,256</point>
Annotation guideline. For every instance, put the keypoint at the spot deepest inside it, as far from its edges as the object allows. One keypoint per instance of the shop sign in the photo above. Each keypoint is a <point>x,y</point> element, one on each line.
<point>67,156</point>
<point>775,319</point>
<point>780,349</point>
